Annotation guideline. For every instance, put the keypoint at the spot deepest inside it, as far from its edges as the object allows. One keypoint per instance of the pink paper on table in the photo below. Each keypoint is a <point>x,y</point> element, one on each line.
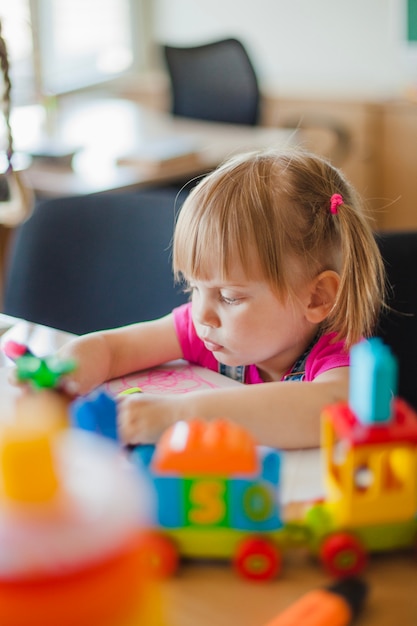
<point>175,377</point>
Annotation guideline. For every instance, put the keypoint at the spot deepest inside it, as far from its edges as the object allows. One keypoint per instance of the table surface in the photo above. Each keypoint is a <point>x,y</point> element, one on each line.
<point>210,594</point>
<point>107,129</point>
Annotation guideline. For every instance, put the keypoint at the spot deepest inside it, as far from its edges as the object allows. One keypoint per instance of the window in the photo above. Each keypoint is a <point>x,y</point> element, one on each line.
<point>56,46</point>
<point>16,30</point>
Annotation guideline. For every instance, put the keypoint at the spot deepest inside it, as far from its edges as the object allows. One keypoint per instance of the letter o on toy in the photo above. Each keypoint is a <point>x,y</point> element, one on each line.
<point>257,503</point>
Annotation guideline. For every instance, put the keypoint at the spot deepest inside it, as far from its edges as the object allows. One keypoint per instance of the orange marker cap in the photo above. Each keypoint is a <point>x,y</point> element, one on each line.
<point>334,606</point>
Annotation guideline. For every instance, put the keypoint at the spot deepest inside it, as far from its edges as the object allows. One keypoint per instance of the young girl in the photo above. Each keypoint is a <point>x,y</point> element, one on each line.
<point>284,276</point>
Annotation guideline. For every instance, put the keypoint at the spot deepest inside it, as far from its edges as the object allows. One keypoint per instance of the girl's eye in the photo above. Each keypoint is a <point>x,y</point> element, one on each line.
<point>227,300</point>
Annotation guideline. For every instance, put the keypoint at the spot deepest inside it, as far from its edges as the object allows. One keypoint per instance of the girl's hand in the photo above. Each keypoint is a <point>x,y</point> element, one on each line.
<point>142,418</point>
<point>67,387</point>
<point>92,358</point>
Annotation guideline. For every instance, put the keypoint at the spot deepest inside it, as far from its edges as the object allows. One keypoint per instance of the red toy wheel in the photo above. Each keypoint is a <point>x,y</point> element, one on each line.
<point>257,559</point>
<point>343,554</point>
<point>158,554</point>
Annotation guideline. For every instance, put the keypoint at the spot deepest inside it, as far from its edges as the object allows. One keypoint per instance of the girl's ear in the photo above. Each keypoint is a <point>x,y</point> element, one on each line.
<point>323,292</point>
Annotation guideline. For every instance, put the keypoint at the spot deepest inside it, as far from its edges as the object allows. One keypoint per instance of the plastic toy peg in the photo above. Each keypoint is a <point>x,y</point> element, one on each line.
<point>215,447</point>
<point>96,413</point>
<point>129,391</point>
<point>373,381</point>
<point>14,350</point>
<point>41,372</point>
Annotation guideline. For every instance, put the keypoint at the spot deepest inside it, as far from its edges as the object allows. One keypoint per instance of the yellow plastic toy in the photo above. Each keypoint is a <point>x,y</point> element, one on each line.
<point>370,455</point>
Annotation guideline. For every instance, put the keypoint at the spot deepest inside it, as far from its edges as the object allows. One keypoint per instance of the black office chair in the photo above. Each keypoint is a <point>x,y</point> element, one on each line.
<point>398,325</point>
<point>92,262</point>
<point>217,81</point>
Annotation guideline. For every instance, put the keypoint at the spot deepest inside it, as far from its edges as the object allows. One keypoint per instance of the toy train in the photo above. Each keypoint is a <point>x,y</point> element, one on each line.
<point>219,494</point>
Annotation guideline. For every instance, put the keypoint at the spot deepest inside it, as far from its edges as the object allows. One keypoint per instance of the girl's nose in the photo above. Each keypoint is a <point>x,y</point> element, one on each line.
<point>205,314</point>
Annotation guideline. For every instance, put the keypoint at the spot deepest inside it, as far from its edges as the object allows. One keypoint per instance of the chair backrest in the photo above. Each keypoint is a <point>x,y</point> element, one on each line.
<point>398,326</point>
<point>215,81</point>
<point>92,262</point>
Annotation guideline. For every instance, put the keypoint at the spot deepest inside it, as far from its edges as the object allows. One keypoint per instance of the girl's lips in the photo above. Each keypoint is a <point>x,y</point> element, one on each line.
<point>210,345</point>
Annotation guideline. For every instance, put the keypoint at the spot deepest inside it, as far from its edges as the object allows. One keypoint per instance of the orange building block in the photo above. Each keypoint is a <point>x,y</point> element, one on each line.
<point>217,447</point>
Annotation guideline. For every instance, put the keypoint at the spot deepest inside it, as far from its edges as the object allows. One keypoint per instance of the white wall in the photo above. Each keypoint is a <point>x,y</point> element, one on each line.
<point>340,48</point>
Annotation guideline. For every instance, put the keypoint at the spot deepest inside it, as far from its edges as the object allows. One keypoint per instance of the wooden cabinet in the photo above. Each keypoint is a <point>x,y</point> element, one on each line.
<point>382,161</point>
<point>360,120</point>
<point>399,165</point>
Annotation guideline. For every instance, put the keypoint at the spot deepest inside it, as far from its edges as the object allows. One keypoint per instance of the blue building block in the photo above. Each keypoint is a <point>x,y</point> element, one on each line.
<point>373,381</point>
<point>96,413</point>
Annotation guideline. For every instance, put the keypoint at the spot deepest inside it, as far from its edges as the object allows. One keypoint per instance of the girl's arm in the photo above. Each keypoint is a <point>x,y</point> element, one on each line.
<point>110,354</point>
<point>278,414</point>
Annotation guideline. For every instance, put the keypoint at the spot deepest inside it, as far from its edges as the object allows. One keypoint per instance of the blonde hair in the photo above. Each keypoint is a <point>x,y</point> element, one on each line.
<point>280,204</point>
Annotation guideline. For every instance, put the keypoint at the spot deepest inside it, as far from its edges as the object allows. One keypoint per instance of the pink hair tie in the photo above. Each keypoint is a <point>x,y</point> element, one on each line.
<point>335,201</point>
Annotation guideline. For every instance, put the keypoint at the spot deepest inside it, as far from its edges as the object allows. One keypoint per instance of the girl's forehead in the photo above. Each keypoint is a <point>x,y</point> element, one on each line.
<point>211,270</point>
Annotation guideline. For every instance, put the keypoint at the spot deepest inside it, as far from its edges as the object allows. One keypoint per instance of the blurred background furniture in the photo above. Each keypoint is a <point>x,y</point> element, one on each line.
<point>121,145</point>
<point>217,81</point>
<point>398,325</point>
<point>85,263</point>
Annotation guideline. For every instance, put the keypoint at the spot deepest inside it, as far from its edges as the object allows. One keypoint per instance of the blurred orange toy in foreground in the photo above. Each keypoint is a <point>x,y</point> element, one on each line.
<point>72,514</point>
